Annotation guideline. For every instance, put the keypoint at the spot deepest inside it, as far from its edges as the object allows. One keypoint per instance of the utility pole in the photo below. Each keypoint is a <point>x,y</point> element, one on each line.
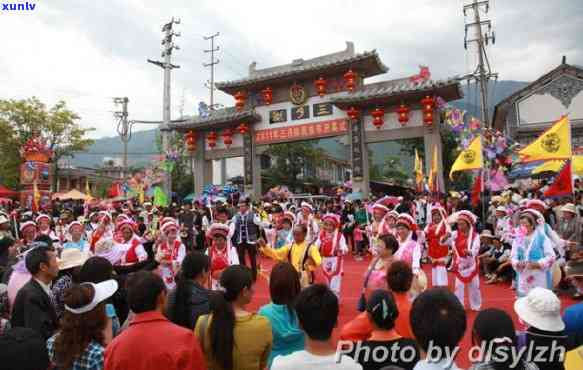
<point>167,48</point>
<point>211,83</point>
<point>480,38</point>
<point>123,129</point>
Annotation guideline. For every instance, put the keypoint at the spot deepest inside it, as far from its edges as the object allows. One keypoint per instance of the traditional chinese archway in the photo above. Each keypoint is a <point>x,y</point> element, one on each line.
<point>316,98</point>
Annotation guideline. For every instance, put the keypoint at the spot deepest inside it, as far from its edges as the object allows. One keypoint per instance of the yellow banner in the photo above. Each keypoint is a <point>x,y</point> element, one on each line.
<point>470,158</point>
<point>554,143</point>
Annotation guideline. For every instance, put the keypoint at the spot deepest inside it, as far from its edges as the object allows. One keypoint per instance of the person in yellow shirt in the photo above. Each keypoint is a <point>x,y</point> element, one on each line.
<point>304,257</point>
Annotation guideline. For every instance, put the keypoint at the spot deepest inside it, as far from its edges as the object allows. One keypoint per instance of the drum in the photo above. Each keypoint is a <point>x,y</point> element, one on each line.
<point>419,283</point>
<point>556,274</point>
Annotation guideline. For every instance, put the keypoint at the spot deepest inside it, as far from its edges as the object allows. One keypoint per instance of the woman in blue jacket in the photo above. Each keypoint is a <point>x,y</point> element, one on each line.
<point>284,286</point>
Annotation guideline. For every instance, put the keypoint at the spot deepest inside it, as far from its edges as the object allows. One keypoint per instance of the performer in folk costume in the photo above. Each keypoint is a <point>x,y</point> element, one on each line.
<point>379,225</point>
<point>437,252</point>
<point>76,232</point>
<point>169,253</point>
<point>117,233</point>
<point>532,254</point>
<point>465,245</point>
<point>559,245</point>
<point>284,235</point>
<point>221,252</point>
<point>302,254</point>
<point>130,250</point>
<point>332,247</point>
<point>391,221</point>
<point>410,251</point>
<point>306,217</point>
<point>104,231</point>
<point>28,233</point>
<point>43,223</point>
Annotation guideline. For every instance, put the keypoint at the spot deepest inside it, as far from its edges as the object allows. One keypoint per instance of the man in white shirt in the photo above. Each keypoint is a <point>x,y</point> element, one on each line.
<point>317,311</point>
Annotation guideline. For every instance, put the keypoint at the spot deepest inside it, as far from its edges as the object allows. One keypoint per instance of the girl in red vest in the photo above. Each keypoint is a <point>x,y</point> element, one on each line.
<point>465,244</point>
<point>169,253</point>
<point>221,252</point>
<point>437,251</point>
<point>130,246</point>
<point>332,247</point>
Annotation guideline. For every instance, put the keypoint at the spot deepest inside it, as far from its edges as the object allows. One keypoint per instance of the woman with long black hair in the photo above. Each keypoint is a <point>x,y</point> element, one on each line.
<point>233,338</point>
<point>191,297</point>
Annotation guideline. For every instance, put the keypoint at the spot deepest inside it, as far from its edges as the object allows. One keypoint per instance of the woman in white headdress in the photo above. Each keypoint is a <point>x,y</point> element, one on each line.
<point>170,252</point>
<point>221,252</point>
<point>532,254</point>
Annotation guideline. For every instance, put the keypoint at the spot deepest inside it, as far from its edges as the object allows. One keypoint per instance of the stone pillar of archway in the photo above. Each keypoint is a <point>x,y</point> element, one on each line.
<point>359,158</point>
<point>432,139</point>
<point>203,169</point>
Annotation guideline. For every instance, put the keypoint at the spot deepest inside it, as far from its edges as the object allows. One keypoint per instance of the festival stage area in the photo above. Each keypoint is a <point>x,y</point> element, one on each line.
<point>496,295</point>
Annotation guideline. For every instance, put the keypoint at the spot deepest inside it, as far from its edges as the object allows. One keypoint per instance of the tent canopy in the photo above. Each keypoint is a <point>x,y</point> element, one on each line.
<point>71,194</point>
<point>7,193</point>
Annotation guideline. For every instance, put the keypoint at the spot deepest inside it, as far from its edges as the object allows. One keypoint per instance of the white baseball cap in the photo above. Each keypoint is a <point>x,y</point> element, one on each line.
<point>102,291</point>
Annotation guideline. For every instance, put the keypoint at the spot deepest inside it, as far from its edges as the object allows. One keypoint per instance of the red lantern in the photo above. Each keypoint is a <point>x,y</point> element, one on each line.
<point>243,129</point>
<point>353,113</point>
<point>320,86</point>
<point>349,80</point>
<point>228,137</point>
<point>378,117</point>
<point>190,141</point>
<point>403,113</point>
<point>428,103</point>
<point>240,100</point>
<point>267,95</point>
<point>212,139</point>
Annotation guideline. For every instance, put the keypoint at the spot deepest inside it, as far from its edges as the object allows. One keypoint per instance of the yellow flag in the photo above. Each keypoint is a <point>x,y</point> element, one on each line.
<point>549,166</point>
<point>87,188</point>
<point>554,143</point>
<point>433,182</point>
<point>470,158</point>
<point>577,163</point>
<point>418,172</point>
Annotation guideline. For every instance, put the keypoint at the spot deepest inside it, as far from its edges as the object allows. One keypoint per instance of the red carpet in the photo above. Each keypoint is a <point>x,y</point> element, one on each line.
<point>498,296</point>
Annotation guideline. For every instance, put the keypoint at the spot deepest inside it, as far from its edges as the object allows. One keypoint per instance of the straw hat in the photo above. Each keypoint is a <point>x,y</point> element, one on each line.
<point>569,207</point>
<point>72,257</point>
<point>486,234</point>
<point>103,246</point>
<point>541,309</point>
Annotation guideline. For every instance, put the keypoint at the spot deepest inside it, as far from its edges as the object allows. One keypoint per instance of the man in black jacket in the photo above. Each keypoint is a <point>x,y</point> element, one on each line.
<point>33,307</point>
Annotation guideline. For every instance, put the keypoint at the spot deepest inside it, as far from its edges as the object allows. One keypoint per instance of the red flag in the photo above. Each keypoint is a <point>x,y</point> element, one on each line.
<point>476,191</point>
<point>563,184</point>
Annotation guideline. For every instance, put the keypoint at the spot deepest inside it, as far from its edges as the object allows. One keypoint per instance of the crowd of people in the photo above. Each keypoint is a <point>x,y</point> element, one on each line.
<point>127,286</point>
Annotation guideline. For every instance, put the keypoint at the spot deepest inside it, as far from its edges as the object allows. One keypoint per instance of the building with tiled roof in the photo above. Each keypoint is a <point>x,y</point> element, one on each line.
<point>317,98</point>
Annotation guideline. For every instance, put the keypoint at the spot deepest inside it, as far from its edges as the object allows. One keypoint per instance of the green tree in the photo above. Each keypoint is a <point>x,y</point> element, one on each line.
<point>288,161</point>
<point>58,125</point>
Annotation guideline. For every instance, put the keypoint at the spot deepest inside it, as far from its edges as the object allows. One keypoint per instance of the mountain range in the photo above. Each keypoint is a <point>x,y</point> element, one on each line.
<point>142,146</point>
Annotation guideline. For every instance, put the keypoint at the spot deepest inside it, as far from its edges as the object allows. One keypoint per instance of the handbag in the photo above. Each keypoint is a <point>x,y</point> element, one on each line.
<point>361,304</point>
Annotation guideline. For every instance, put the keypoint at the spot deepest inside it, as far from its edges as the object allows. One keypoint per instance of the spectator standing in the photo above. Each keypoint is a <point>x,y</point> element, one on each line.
<point>284,286</point>
<point>438,320</point>
<point>69,265</point>
<point>33,306</point>
<point>317,310</point>
<point>191,298</point>
<point>399,280</point>
<point>85,331</point>
<point>23,349</point>
<point>231,337</point>
<point>383,312</point>
<point>179,348</point>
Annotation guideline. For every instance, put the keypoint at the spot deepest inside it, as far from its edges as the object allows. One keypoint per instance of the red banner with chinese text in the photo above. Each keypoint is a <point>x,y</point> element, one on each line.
<point>302,132</point>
